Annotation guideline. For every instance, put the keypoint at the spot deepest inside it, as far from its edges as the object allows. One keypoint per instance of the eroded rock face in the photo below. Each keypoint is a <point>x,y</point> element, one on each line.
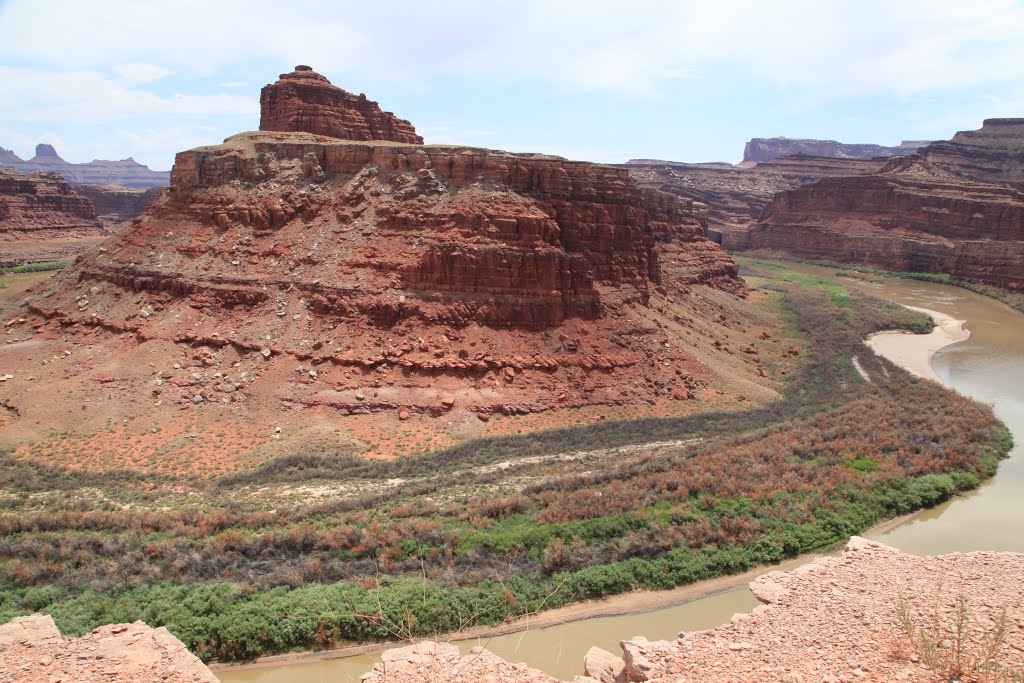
<point>304,101</point>
<point>956,207</point>
<point>405,273</point>
<point>833,619</point>
<point>32,649</point>
<point>43,218</point>
<point>124,173</point>
<point>767,149</point>
<point>736,195</point>
<point>117,206</point>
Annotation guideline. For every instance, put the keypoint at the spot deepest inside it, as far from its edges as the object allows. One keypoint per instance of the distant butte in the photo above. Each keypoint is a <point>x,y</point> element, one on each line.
<point>126,173</point>
<point>304,101</point>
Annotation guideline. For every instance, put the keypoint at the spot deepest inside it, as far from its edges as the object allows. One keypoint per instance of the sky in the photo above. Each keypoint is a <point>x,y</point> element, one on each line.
<point>594,80</point>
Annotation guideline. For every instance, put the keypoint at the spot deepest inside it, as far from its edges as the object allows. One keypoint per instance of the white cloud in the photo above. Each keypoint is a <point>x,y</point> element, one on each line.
<point>136,74</point>
<point>234,84</point>
<point>37,96</point>
<point>835,48</point>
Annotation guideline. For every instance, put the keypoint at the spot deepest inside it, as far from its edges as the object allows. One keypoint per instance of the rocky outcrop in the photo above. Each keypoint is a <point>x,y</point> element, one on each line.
<point>330,277</point>
<point>430,661</point>
<point>304,101</point>
<point>32,650</point>
<point>43,218</point>
<point>736,195</point>
<point>125,173</point>
<point>956,207</point>
<point>992,154</point>
<point>470,263</point>
<point>758,150</point>
<point>834,619</point>
<point>118,206</point>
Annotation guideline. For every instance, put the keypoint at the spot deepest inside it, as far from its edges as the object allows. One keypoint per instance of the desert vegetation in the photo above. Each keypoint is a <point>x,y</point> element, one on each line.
<point>323,548</point>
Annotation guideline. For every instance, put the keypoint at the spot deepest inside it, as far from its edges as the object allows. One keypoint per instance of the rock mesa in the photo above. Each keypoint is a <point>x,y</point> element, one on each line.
<point>297,270</point>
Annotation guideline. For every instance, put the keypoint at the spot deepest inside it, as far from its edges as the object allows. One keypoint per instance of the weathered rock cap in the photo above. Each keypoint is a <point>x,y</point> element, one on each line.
<point>304,101</point>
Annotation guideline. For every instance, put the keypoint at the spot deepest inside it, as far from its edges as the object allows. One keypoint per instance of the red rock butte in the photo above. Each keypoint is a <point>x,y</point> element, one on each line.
<point>304,101</point>
<point>403,278</point>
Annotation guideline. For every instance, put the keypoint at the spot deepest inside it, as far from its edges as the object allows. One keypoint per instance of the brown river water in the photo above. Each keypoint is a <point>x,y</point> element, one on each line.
<point>989,367</point>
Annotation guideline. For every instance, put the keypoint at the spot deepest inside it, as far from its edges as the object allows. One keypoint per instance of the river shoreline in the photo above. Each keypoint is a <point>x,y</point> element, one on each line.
<point>913,352</point>
<point>636,602</point>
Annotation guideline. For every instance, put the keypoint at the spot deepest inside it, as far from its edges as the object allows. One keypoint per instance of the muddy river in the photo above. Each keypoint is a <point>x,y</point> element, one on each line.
<point>989,367</point>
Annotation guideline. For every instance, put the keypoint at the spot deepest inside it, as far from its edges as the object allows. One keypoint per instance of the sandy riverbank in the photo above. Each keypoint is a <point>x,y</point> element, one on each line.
<point>915,352</point>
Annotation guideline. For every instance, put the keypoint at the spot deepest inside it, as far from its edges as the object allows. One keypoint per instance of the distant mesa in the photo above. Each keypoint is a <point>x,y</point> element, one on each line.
<point>126,173</point>
<point>955,207</point>
<point>768,149</point>
<point>304,101</point>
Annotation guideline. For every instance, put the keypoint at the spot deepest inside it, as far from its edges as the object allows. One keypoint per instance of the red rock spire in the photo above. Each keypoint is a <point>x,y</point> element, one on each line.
<point>305,101</point>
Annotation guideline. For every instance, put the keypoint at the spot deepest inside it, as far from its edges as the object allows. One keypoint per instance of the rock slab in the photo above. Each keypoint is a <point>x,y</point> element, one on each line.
<point>33,650</point>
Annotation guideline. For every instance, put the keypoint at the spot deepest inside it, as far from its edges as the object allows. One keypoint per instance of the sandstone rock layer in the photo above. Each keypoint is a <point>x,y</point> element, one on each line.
<point>736,195</point>
<point>304,101</point>
<point>118,206</point>
<point>33,650</point>
<point>409,279</point>
<point>43,218</point>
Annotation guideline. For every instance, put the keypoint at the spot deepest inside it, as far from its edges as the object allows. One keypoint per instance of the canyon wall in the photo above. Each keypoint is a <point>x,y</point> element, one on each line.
<point>955,207</point>
<point>736,195</point>
<point>117,206</point>
<point>42,218</point>
<point>515,282</point>
<point>354,277</point>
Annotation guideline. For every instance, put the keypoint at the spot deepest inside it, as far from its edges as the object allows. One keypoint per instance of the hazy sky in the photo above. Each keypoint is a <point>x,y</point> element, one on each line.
<point>596,80</point>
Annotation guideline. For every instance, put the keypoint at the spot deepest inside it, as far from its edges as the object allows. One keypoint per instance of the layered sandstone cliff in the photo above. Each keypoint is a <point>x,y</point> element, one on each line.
<point>736,195</point>
<point>507,273</point>
<point>955,207</point>
<point>305,101</point>
<point>758,150</point>
<point>117,206</point>
<point>42,218</point>
<point>124,173</point>
<point>834,619</point>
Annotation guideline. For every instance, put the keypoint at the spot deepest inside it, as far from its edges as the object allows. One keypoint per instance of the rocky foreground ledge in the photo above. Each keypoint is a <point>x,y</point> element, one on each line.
<point>33,650</point>
<point>836,619</point>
